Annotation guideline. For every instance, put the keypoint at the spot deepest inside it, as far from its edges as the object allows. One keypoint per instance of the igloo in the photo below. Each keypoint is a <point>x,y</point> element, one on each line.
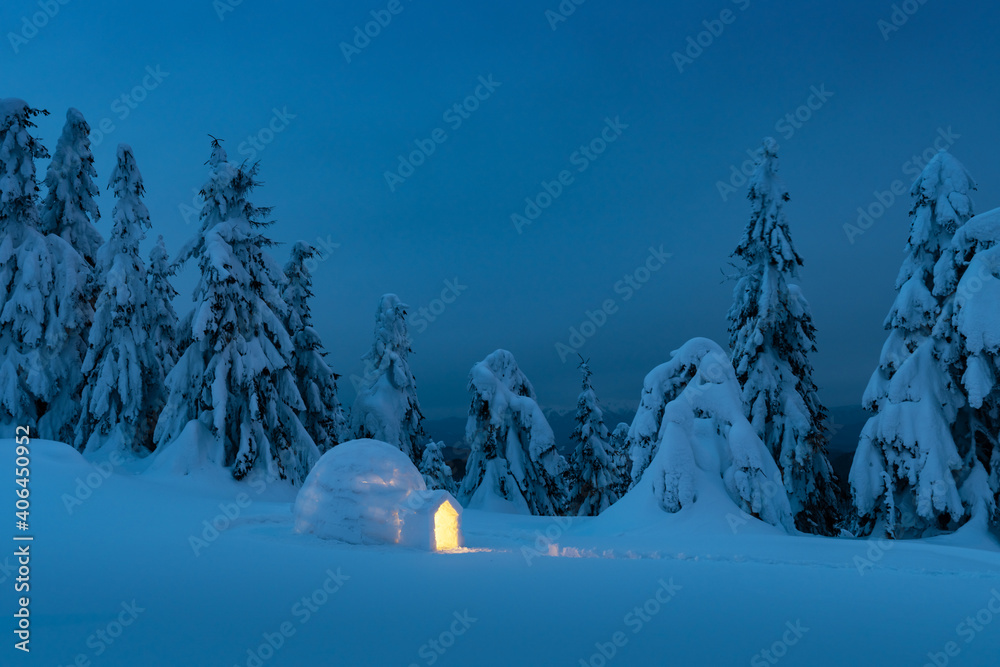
<point>369,492</point>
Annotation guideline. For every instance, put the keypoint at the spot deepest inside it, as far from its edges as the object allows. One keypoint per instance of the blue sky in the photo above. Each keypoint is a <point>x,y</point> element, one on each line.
<point>328,130</point>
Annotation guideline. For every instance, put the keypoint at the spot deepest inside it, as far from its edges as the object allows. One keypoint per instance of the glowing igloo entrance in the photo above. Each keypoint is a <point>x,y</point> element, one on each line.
<point>447,533</point>
<point>368,492</point>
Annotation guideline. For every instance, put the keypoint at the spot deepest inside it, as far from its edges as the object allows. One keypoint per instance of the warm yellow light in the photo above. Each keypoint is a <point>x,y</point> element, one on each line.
<point>445,528</point>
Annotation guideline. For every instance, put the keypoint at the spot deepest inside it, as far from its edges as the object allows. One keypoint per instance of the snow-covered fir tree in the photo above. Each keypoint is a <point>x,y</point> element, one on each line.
<point>942,204</point>
<point>514,464</point>
<point>323,416</point>
<point>436,471</point>
<point>596,484</point>
<point>386,407</point>
<point>907,472</point>
<point>43,301</point>
<point>69,209</point>
<point>771,336</point>
<point>690,439</point>
<point>69,212</point>
<point>163,330</point>
<point>163,333</point>
<point>969,331</point>
<point>618,446</point>
<point>235,378</point>
<point>121,366</point>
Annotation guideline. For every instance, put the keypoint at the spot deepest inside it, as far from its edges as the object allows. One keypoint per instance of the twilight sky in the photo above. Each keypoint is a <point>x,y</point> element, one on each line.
<point>640,138</point>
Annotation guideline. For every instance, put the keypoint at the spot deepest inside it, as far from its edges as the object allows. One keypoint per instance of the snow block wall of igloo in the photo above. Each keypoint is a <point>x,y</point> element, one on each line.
<point>369,492</point>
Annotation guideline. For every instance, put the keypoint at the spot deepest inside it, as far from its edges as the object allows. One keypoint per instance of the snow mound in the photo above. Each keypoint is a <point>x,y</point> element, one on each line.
<point>53,453</point>
<point>194,449</point>
<point>369,492</point>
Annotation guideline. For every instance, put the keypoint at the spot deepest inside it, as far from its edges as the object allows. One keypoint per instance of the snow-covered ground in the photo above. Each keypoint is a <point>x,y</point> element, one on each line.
<point>127,572</point>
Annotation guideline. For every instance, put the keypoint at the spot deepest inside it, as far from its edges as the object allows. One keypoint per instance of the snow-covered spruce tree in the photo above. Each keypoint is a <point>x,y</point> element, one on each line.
<point>163,333</point>
<point>163,330</point>
<point>436,471</point>
<point>386,407</point>
<point>323,416</point>
<point>597,484</point>
<point>69,212</point>
<point>618,446</point>
<point>907,471</point>
<point>691,442</point>
<point>771,336</point>
<point>23,293</point>
<point>969,331</point>
<point>942,204</point>
<point>69,209</point>
<point>43,302</point>
<point>514,463</point>
<point>121,365</point>
<point>235,378</point>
